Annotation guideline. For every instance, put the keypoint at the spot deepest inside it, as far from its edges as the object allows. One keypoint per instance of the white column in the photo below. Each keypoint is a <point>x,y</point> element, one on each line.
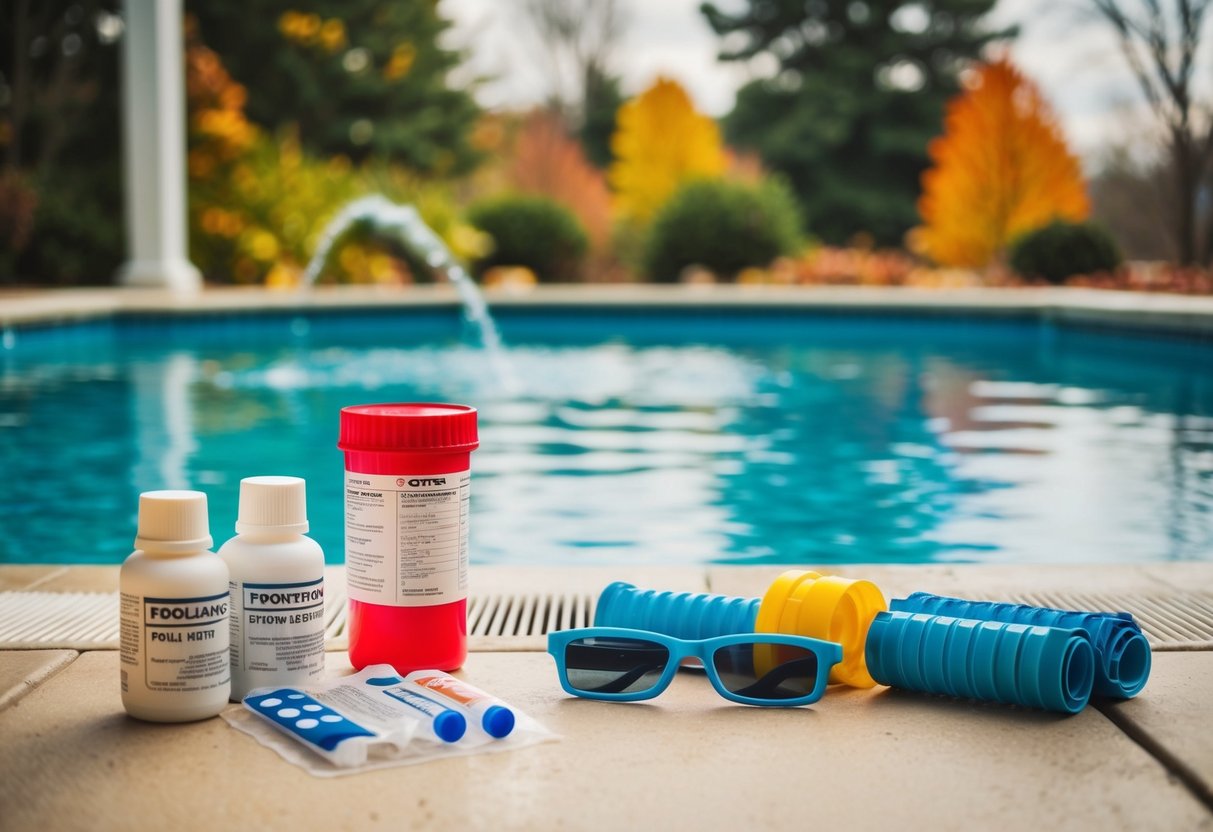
<point>154,148</point>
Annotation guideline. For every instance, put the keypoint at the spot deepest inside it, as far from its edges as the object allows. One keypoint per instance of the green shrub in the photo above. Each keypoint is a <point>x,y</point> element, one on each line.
<point>1061,249</point>
<point>531,231</point>
<point>722,226</point>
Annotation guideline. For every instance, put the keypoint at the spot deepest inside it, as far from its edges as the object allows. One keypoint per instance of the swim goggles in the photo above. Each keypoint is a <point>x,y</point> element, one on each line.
<point>625,665</point>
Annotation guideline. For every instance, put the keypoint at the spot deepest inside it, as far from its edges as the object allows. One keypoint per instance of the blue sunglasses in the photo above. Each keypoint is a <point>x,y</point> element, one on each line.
<point>623,665</point>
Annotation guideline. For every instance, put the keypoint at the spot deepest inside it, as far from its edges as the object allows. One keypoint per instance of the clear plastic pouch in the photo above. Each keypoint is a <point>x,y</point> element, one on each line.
<point>369,720</point>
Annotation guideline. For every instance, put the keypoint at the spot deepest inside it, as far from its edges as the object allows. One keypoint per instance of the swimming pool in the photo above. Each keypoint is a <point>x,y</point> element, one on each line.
<point>638,436</point>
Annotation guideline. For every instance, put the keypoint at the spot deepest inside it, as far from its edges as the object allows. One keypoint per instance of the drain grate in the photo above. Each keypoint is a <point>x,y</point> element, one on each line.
<point>528,614</point>
<point>72,620</point>
<point>89,620</point>
<point>1174,621</point>
<point>519,621</point>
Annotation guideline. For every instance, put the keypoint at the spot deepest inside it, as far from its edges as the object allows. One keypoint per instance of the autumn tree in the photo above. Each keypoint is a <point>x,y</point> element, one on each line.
<point>1001,168</point>
<point>546,162</point>
<point>659,143</point>
<point>1161,43</point>
<point>857,90</point>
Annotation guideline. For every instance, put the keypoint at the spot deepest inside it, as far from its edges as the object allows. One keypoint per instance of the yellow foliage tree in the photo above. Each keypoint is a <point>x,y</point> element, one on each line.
<point>1001,169</point>
<point>659,143</point>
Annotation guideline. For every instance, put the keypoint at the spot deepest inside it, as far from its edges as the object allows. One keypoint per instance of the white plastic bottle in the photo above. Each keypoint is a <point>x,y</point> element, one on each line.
<point>277,585</point>
<point>174,608</point>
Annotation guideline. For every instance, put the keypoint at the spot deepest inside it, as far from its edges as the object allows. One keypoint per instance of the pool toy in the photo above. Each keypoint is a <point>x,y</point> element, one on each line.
<point>1020,664</point>
<point>1122,653</point>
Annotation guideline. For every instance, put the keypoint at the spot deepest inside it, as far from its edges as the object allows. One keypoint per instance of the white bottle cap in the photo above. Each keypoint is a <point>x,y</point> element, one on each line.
<point>272,504</point>
<point>173,522</point>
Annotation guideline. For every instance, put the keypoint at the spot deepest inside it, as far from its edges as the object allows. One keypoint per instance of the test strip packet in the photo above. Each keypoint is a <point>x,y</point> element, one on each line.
<point>371,719</point>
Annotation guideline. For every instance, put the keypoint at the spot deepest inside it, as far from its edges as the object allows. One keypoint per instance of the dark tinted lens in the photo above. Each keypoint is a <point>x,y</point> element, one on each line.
<point>614,665</point>
<point>766,671</point>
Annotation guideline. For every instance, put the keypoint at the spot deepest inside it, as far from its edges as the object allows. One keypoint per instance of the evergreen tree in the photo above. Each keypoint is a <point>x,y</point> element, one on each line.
<point>603,99</point>
<point>358,77</point>
<point>860,90</point>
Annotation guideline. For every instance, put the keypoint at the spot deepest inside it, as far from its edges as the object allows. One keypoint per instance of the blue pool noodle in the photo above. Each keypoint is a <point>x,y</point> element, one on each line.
<point>1122,653</point>
<point>1018,664</point>
<point>685,615</point>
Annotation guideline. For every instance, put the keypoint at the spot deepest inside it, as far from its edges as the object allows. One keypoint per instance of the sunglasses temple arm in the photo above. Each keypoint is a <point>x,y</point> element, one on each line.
<point>765,687</point>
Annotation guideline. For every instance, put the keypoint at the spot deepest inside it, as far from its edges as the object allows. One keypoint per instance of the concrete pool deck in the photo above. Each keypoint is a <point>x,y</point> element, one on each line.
<point>70,759</point>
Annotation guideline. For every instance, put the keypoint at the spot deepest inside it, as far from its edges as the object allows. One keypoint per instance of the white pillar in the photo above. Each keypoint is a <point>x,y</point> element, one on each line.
<point>154,148</point>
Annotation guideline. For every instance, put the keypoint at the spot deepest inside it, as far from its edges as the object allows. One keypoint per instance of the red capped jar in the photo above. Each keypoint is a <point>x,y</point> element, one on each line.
<point>407,489</point>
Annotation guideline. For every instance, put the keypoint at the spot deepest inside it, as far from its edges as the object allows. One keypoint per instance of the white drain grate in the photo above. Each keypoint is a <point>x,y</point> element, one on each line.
<point>89,620</point>
<point>72,620</point>
<point>1175,621</point>
<point>528,614</point>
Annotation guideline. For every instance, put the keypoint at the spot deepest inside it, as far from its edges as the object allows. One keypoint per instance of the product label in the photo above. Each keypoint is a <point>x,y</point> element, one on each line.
<point>278,628</point>
<point>449,687</point>
<point>406,537</point>
<point>181,643</point>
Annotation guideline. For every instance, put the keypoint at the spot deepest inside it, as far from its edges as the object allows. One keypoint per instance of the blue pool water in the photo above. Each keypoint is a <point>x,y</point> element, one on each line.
<point>638,437</point>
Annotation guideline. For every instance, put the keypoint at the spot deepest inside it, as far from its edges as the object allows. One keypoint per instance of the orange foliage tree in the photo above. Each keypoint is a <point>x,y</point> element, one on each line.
<point>1001,169</point>
<point>547,162</point>
<point>659,143</point>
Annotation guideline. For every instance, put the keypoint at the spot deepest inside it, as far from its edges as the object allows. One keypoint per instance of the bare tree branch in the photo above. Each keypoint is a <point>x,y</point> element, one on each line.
<point>577,39</point>
<point>1162,55</point>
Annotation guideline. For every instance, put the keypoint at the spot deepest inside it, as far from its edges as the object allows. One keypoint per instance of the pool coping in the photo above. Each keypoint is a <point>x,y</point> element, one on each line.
<point>1164,313</point>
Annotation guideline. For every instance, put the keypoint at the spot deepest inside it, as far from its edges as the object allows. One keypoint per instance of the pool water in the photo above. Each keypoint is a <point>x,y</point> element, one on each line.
<point>642,437</point>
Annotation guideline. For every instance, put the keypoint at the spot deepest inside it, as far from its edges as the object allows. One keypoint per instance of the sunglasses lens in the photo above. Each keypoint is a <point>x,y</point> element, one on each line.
<point>766,671</point>
<point>614,665</point>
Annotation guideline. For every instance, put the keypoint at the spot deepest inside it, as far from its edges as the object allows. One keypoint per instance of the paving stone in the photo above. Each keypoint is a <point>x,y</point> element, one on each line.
<point>23,670</point>
<point>688,760</point>
<point>1173,716</point>
<point>25,576</point>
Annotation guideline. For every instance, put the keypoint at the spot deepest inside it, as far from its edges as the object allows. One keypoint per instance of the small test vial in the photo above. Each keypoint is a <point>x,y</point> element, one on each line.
<point>277,586</point>
<point>174,613</point>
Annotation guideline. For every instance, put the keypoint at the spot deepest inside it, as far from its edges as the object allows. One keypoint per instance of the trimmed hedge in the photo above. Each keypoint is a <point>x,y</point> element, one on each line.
<point>531,231</point>
<point>722,226</point>
<point>1063,249</point>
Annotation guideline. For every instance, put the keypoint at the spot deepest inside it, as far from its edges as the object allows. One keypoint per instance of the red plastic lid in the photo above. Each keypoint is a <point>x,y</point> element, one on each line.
<point>408,428</point>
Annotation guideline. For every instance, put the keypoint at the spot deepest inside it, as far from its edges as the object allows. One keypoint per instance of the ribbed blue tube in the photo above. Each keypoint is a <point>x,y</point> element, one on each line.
<point>1122,652</point>
<point>1018,664</point>
<point>686,615</point>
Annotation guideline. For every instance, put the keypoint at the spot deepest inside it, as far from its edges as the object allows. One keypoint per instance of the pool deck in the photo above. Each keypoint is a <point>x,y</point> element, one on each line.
<point>859,759</point>
<point>1191,315</point>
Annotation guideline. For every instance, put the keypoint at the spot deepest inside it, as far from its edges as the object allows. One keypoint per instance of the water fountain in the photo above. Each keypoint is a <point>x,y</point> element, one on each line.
<point>403,224</point>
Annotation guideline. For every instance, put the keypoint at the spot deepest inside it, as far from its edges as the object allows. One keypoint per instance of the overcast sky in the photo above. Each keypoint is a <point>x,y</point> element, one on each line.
<point>1071,56</point>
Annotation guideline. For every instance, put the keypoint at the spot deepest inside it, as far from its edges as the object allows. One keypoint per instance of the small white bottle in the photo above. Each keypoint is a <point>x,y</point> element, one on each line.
<point>277,586</point>
<point>174,609</point>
